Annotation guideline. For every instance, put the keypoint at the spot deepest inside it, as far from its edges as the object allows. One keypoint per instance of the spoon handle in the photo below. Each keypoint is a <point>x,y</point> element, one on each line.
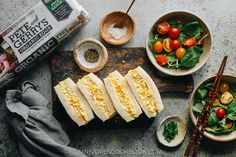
<point>130,6</point>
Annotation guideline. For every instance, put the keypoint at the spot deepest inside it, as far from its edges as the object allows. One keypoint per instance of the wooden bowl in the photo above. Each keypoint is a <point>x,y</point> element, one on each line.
<point>220,138</point>
<point>111,19</point>
<point>184,17</point>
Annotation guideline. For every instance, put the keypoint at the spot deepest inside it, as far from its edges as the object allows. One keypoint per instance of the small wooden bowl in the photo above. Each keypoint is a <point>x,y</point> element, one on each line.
<point>113,18</point>
<point>223,137</point>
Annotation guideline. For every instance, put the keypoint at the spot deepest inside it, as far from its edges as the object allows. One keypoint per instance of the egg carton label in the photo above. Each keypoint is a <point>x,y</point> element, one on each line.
<point>35,34</point>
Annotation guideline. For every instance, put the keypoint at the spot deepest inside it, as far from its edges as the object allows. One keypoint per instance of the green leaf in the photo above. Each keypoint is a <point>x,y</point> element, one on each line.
<point>197,107</point>
<point>191,58</point>
<point>231,107</point>
<point>197,36</point>
<point>192,28</point>
<point>232,116</point>
<point>202,92</point>
<point>182,36</point>
<point>212,119</point>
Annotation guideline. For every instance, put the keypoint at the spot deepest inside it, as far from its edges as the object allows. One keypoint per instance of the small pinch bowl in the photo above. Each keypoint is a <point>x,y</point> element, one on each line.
<point>182,129</point>
<point>112,18</point>
<point>215,137</point>
<point>184,17</point>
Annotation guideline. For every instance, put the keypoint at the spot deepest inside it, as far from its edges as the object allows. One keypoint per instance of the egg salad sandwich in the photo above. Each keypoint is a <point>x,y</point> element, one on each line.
<point>145,91</point>
<point>122,97</point>
<point>74,102</point>
<point>95,92</point>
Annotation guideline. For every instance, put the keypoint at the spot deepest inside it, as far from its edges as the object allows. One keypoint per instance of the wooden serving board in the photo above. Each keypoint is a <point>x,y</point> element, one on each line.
<point>63,66</point>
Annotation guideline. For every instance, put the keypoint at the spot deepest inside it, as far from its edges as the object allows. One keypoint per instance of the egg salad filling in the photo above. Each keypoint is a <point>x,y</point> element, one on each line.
<point>96,95</point>
<point>73,101</point>
<point>123,97</point>
<point>144,91</point>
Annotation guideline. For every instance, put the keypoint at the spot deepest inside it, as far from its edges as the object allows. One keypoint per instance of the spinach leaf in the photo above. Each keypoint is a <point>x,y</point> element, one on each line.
<point>232,116</point>
<point>202,92</point>
<point>220,130</point>
<point>231,107</point>
<point>197,36</point>
<point>222,122</point>
<point>191,58</point>
<point>197,107</point>
<point>172,61</point>
<point>182,36</point>
<point>177,24</point>
<point>192,28</point>
<point>209,85</point>
<point>212,119</point>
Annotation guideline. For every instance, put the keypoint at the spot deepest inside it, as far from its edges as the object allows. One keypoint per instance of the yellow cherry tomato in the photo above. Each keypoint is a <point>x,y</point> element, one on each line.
<point>157,47</point>
<point>166,45</point>
<point>180,53</point>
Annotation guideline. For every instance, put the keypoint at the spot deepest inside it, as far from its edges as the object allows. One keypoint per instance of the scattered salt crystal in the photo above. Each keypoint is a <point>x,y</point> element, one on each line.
<point>117,33</point>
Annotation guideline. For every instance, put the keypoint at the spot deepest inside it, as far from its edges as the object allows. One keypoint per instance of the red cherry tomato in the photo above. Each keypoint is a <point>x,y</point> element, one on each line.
<point>161,60</point>
<point>175,44</point>
<point>163,27</point>
<point>189,42</point>
<point>220,113</point>
<point>173,33</point>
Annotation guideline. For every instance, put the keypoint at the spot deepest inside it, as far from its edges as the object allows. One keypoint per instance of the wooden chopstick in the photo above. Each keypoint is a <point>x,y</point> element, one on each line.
<point>203,117</point>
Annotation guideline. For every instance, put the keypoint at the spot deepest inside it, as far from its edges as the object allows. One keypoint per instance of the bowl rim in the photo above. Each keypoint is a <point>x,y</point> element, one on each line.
<point>193,118</point>
<point>166,70</point>
<point>175,116</point>
<point>124,41</point>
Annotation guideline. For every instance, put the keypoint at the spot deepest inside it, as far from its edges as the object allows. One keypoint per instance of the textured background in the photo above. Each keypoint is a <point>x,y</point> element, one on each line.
<point>218,14</point>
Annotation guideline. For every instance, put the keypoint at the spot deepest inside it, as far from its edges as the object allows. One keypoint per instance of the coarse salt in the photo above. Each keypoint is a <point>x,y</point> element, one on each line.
<point>117,33</point>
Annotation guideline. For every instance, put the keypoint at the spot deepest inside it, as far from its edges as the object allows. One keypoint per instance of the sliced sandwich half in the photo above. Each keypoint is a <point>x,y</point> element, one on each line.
<point>122,97</point>
<point>74,102</point>
<point>145,91</point>
<point>96,94</point>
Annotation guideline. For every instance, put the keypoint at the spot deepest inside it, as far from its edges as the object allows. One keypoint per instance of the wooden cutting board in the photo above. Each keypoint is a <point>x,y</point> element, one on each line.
<point>63,66</point>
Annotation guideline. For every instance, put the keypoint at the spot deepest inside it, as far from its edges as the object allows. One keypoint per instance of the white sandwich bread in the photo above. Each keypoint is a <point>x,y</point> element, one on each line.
<point>74,102</point>
<point>95,92</point>
<point>122,97</point>
<point>145,91</point>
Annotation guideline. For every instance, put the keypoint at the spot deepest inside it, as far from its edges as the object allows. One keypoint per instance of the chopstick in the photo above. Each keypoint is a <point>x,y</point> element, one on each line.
<point>203,117</point>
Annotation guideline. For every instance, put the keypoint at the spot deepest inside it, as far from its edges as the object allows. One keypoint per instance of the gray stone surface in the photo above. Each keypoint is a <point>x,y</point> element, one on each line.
<point>218,14</point>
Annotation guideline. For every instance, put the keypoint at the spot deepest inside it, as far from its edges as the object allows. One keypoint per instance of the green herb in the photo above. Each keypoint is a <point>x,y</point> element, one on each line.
<point>170,131</point>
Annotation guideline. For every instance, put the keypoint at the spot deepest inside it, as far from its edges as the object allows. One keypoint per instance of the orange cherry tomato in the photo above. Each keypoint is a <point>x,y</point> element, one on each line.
<point>162,60</point>
<point>180,53</point>
<point>166,45</point>
<point>228,124</point>
<point>157,47</point>
<point>163,27</point>
<point>224,87</point>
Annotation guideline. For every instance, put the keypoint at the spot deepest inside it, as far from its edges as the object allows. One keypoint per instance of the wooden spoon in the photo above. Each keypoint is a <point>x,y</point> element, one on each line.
<point>121,22</point>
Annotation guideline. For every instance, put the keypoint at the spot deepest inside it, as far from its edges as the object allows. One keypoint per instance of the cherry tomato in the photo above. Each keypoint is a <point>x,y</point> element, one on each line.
<point>175,44</point>
<point>180,53</point>
<point>163,27</point>
<point>166,45</point>
<point>189,42</point>
<point>173,33</point>
<point>157,47</point>
<point>220,113</point>
<point>161,60</point>
<point>224,87</point>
